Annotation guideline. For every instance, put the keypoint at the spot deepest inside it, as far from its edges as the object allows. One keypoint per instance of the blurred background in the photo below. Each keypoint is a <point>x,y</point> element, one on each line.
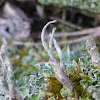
<point>21,23</point>
<point>24,19</point>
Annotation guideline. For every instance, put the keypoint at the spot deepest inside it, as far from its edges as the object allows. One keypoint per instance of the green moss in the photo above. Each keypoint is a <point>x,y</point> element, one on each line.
<point>53,87</point>
<point>75,77</point>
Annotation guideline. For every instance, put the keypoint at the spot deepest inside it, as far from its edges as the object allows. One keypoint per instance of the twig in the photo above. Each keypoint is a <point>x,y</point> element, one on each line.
<point>72,41</point>
<point>78,39</point>
<point>78,33</point>
<point>58,69</point>
<point>66,23</point>
<point>27,43</point>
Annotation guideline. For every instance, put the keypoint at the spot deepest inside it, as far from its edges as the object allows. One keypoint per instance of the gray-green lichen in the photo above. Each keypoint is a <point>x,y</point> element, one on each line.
<point>90,5</point>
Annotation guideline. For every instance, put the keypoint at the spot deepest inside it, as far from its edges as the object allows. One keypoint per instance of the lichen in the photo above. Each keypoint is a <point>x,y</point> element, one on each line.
<point>90,5</point>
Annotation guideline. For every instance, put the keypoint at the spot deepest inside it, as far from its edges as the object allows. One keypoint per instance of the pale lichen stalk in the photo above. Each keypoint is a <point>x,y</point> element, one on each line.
<point>59,51</point>
<point>45,45</point>
<point>93,51</point>
<point>10,77</point>
<point>51,38</point>
<point>58,69</point>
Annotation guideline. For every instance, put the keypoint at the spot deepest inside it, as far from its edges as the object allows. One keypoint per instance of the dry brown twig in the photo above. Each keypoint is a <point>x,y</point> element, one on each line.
<point>78,33</point>
<point>27,43</point>
<point>83,32</point>
<point>73,41</point>
<point>59,71</point>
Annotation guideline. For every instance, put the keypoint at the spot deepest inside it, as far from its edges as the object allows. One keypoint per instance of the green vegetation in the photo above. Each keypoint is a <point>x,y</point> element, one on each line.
<point>36,79</point>
<point>90,5</point>
<point>56,72</point>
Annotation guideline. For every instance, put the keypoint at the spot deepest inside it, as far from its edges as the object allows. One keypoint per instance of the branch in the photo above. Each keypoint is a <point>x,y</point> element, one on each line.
<point>78,33</point>
<point>26,43</point>
<point>72,41</point>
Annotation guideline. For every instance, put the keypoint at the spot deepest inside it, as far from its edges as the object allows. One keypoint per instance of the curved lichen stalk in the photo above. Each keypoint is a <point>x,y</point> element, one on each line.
<point>58,69</point>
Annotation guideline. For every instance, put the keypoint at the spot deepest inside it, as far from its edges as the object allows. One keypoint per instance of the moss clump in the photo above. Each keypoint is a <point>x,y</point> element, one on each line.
<point>53,87</point>
<point>75,77</point>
